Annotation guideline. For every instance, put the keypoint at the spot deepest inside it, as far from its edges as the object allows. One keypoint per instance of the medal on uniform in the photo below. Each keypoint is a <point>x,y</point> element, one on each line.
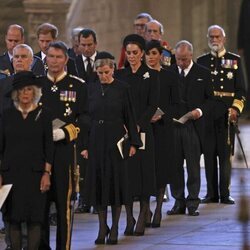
<point>235,64</point>
<point>215,72</point>
<point>68,111</point>
<point>54,88</point>
<point>230,75</point>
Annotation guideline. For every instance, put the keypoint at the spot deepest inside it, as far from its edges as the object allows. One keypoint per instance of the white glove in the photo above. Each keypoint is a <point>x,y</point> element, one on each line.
<point>58,134</point>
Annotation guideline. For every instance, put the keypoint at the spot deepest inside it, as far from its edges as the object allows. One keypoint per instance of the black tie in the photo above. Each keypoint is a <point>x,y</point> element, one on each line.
<point>182,74</point>
<point>183,86</point>
<point>89,67</point>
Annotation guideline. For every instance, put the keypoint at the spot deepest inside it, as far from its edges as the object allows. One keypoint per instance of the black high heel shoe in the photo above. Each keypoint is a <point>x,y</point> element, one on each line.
<point>148,220</point>
<point>129,231</point>
<point>156,220</point>
<point>112,239</point>
<point>101,240</point>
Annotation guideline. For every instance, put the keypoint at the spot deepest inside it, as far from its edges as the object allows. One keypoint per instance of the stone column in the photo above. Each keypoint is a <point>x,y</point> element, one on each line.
<point>41,11</point>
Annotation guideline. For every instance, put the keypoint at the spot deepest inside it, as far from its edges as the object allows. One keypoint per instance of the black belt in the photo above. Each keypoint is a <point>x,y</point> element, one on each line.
<point>107,121</point>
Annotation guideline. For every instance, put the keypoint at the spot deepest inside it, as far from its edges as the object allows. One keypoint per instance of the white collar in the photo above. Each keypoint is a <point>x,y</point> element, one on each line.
<point>43,55</point>
<point>92,58</point>
<point>186,70</point>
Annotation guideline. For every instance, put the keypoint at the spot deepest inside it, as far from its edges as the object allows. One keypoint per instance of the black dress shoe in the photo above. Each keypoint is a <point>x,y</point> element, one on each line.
<point>176,210</point>
<point>208,199</point>
<point>81,209</point>
<point>8,248</point>
<point>227,200</point>
<point>192,211</point>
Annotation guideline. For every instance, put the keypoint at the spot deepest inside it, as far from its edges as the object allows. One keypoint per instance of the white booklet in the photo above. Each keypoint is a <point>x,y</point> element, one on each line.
<point>184,118</point>
<point>4,191</point>
<point>143,139</point>
<point>158,112</point>
<point>119,145</point>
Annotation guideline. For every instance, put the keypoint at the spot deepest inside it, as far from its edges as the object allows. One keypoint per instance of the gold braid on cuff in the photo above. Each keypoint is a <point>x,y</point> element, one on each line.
<point>72,131</point>
<point>239,104</point>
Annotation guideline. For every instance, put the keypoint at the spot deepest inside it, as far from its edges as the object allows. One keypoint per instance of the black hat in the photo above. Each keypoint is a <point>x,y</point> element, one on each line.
<point>104,55</point>
<point>25,78</point>
<point>154,44</point>
<point>134,39</point>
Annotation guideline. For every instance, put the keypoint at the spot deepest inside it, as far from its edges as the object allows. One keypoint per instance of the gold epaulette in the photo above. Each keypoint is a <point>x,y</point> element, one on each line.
<point>77,78</point>
<point>239,104</point>
<point>72,131</point>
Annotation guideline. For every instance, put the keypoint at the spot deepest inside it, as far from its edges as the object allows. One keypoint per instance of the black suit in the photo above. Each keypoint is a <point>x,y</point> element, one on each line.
<point>82,71</point>
<point>71,66</point>
<point>6,65</point>
<point>196,92</point>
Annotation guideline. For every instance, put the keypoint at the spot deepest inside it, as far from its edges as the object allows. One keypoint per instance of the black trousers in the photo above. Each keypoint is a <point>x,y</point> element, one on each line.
<point>218,149</point>
<point>60,192</point>
<point>187,148</point>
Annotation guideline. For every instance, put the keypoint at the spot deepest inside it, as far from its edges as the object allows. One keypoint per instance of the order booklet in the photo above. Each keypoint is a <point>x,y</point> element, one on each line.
<point>143,140</point>
<point>158,112</point>
<point>184,118</point>
<point>4,191</point>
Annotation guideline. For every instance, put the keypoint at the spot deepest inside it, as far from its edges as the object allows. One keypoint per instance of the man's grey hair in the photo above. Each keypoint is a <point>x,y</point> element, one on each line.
<point>24,46</point>
<point>185,43</point>
<point>144,15</point>
<point>76,31</point>
<point>158,23</point>
<point>215,26</point>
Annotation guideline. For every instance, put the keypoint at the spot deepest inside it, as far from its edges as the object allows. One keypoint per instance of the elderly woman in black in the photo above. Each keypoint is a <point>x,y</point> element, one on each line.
<point>26,149</point>
<point>144,87</point>
<point>163,124</point>
<point>111,114</point>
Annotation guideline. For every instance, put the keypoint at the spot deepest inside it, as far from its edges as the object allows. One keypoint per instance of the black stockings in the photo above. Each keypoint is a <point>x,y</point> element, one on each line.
<point>34,236</point>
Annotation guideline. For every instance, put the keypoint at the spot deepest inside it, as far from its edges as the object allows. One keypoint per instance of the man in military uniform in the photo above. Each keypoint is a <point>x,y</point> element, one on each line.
<point>228,85</point>
<point>66,97</point>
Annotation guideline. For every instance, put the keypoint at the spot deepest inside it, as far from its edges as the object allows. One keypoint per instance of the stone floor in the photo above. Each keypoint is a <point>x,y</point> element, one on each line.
<point>217,227</point>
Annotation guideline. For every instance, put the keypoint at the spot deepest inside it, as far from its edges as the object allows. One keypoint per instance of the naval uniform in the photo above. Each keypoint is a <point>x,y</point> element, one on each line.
<point>66,98</point>
<point>228,86</point>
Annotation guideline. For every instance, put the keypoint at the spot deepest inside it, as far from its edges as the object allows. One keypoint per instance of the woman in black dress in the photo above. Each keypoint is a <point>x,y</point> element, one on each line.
<point>106,179</point>
<point>26,149</point>
<point>144,88</point>
<point>163,124</point>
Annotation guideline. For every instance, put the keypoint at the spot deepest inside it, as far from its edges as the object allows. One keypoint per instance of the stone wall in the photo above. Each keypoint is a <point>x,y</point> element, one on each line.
<point>112,20</point>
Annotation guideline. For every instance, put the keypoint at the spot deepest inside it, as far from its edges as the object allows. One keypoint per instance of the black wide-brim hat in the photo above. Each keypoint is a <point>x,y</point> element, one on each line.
<point>25,78</point>
<point>134,39</point>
